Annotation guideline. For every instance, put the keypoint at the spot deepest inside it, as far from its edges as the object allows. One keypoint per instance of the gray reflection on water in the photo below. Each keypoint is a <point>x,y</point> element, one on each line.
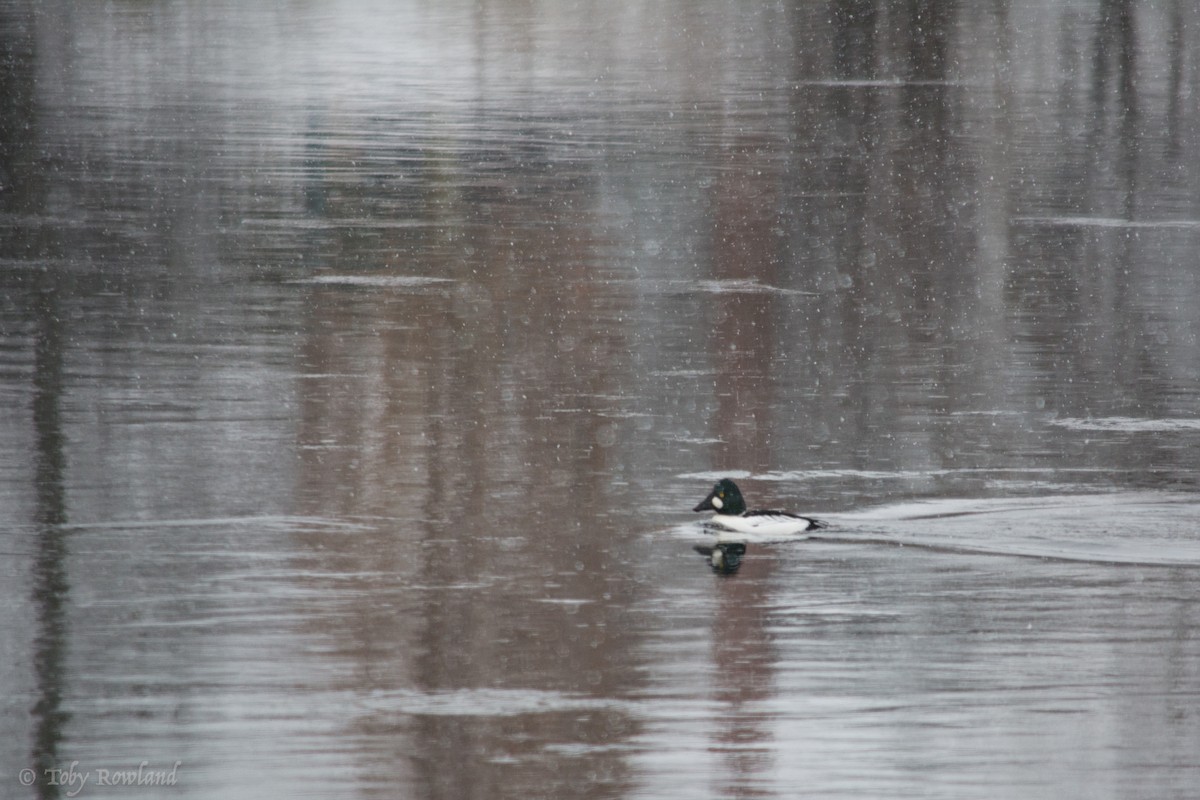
<point>368,357</point>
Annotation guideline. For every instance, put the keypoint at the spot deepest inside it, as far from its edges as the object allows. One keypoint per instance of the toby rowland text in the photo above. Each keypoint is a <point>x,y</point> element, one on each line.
<point>73,779</point>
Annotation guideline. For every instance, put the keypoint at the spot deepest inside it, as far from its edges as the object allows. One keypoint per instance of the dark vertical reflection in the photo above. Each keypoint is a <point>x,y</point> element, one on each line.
<point>930,24</point>
<point>1114,78</point>
<point>50,587</point>
<point>928,189</point>
<point>832,187</point>
<point>17,171</point>
<point>1177,47</point>
<point>22,191</point>
<point>854,45</point>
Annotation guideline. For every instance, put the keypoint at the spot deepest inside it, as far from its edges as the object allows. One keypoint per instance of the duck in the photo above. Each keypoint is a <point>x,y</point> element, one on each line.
<point>731,514</point>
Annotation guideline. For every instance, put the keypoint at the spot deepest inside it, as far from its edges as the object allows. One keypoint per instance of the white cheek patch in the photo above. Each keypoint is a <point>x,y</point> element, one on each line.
<point>718,503</point>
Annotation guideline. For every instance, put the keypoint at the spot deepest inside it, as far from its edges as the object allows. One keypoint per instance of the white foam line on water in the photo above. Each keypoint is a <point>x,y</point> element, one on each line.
<point>484,702</point>
<point>326,223</point>
<point>739,474</point>
<point>1128,424</point>
<point>684,373</point>
<point>882,83</point>
<point>720,286</point>
<point>378,281</point>
<point>1109,222</point>
<point>278,521</point>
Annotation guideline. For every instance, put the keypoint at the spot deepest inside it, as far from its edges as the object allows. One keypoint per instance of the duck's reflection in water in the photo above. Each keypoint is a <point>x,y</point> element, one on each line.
<point>725,558</point>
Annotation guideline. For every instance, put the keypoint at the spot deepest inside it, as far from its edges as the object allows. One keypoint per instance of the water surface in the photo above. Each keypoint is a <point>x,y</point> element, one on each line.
<point>360,365</point>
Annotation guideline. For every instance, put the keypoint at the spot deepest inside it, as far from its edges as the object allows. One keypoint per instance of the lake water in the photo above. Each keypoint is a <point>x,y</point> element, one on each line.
<point>360,365</point>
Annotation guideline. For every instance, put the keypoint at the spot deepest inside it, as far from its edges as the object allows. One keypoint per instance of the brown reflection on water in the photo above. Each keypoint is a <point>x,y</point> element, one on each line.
<point>744,659</point>
<point>744,343</point>
<point>745,235</point>
<point>476,419</point>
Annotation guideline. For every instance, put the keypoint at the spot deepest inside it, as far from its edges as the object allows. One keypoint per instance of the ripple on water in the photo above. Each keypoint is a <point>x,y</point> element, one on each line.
<point>1148,528</point>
